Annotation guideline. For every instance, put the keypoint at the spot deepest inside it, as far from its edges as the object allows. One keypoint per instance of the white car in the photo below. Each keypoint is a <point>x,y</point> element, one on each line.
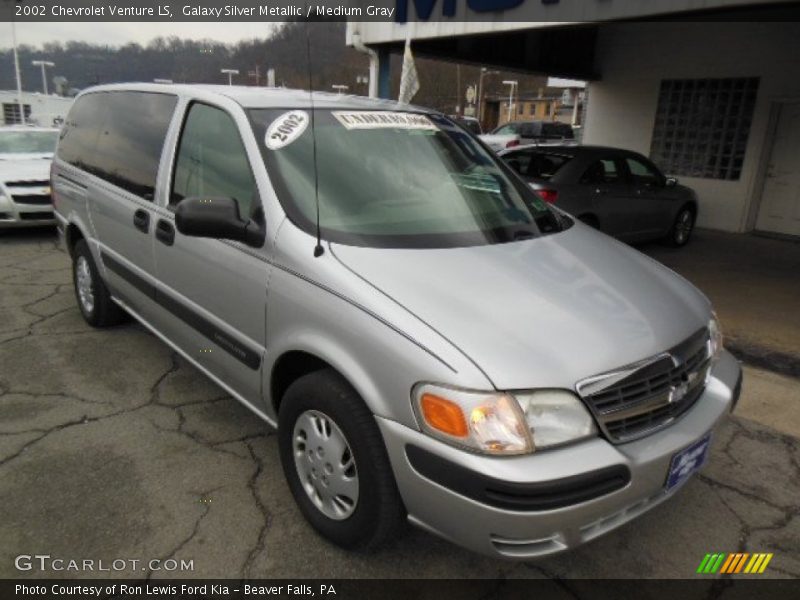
<point>25,157</point>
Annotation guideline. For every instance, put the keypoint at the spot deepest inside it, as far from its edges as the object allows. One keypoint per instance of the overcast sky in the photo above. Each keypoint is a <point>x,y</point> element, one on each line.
<point>117,34</point>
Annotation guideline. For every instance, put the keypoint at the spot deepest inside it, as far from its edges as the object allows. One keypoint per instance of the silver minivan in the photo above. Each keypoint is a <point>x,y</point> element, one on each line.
<point>433,341</point>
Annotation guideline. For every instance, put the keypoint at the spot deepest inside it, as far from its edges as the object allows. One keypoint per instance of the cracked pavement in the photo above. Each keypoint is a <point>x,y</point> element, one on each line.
<point>112,446</point>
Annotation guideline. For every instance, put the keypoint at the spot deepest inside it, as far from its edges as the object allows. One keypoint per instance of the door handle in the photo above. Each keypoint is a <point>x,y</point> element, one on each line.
<point>141,220</point>
<point>165,232</point>
<point>600,191</point>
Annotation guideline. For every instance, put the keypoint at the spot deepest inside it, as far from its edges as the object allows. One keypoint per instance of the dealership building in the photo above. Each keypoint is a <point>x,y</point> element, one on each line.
<point>709,90</point>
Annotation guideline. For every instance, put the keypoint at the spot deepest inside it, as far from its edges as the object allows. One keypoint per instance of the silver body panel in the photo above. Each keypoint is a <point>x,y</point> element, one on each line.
<point>543,313</point>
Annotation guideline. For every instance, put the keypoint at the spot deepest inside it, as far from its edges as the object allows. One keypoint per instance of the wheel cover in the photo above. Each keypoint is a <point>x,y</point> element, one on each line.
<point>683,226</point>
<point>83,283</point>
<point>325,465</point>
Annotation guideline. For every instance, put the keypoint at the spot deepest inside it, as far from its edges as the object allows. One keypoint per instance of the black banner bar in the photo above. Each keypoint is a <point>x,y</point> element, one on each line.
<point>703,587</point>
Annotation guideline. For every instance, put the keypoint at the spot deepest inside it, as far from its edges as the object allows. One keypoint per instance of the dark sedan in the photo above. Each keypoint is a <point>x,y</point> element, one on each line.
<point>617,191</point>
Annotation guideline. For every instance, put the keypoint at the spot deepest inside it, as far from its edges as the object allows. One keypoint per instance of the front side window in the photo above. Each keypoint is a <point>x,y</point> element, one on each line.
<point>212,160</point>
<point>395,179</point>
<point>28,142</point>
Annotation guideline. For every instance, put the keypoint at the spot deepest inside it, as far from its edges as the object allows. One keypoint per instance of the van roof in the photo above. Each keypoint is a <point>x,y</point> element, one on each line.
<point>263,97</point>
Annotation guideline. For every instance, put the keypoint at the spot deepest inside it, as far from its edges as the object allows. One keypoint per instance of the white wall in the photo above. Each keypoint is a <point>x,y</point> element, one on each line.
<point>633,59</point>
<point>43,108</point>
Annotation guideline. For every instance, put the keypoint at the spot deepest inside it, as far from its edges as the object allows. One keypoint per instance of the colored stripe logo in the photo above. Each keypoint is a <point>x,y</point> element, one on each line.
<point>736,562</point>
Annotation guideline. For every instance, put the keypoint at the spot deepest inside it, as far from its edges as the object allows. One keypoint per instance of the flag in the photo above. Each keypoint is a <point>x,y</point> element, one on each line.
<point>409,81</point>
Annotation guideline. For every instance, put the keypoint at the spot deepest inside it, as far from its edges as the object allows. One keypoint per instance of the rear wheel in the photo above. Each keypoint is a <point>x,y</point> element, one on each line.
<point>336,464</point>
<point>682,227</point>
<point>94,301</point>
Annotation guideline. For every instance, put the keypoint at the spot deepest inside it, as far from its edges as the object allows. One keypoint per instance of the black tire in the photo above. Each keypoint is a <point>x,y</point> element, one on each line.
<point>103,311</point>
<point>378,515</point>
<point>682,227</point>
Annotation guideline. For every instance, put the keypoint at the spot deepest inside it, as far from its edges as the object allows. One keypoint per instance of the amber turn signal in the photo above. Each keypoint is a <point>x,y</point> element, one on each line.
<point>443,415</point>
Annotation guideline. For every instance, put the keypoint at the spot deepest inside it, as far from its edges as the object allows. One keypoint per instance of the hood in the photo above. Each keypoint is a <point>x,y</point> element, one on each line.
<point>24,168</point>
<point>545,312</point>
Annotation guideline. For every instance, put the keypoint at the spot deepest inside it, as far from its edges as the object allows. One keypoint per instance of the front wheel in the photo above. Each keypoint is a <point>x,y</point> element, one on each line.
<point>335,463</point>
<point>682,228</point>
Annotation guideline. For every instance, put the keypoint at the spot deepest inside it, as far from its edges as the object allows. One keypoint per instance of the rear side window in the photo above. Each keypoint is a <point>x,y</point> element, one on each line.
<point>78,139</point>
<point>212,160</point>
<point>602,171</point>
<point>557,131</point>
<point>119,136</point>
<point>538,165</point>
<point>642,173</point>
<point>132,138</point>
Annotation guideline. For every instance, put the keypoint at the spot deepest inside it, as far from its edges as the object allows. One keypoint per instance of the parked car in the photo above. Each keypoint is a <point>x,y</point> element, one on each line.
<point>25,156</point>
<point>471,124</point>
<point>432,340</point>
<point>519,133</point>
<point>619,192</point>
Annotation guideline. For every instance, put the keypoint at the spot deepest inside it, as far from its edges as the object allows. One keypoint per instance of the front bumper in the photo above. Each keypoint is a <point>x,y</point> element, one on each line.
<point>24,215</point>
<point>494,529</point>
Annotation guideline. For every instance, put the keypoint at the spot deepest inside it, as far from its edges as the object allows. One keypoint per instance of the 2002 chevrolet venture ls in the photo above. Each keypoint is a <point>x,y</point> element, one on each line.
<point>450,349</point>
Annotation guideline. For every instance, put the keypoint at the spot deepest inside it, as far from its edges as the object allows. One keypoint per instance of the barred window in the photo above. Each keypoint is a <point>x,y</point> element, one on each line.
<point>702,126</point>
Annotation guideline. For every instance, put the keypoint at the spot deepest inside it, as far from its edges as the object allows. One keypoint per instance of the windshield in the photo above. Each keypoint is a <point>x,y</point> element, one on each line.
<point>28,142</point>
<point>395,179</point>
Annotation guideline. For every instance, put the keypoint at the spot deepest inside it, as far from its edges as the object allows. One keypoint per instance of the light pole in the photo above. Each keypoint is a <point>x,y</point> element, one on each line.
<point>340,88</point>
<point>44,64</point>
<point>230,73</point>
<point>484,71</point>
<point>20,105</point>
<point>512,85</point>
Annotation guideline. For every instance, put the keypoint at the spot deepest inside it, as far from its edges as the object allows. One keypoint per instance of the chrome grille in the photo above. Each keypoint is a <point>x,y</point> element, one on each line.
<point>29,192</point>
<point>639,399</point>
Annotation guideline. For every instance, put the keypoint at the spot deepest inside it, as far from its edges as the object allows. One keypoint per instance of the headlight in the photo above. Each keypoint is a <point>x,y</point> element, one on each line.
<point>555,417</point>
<point>502,423</point>
<point>714,337</point>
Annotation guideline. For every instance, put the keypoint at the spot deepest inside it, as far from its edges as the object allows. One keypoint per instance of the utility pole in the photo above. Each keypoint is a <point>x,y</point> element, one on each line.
<point>512,84</point>
<point>257,74</point>
<point>458,90</point>
<point>484,71</point>
<point>19,77</point>
<point>43,64</point>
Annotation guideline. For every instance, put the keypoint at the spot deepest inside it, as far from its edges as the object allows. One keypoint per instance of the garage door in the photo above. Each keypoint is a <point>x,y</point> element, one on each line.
<point>780,199</point>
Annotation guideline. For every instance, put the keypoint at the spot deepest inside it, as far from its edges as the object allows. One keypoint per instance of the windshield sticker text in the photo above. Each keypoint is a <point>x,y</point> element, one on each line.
<point>286,129</point>
<point>383,120</point>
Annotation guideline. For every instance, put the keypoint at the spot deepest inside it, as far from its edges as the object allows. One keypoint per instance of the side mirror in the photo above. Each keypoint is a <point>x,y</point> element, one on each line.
<point>218,218</point>
<point>670,182</point>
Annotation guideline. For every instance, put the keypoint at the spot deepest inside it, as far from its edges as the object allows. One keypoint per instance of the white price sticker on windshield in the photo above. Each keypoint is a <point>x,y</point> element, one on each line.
<point>286,129</point>
<point>375,119</point>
